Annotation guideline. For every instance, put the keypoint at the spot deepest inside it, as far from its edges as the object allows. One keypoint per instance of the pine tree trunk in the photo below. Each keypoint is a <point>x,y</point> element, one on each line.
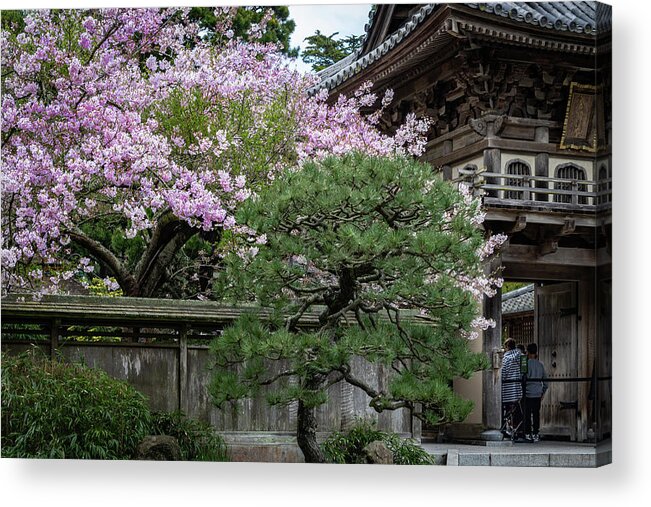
<point>306,434</point>
<point>306,427</point>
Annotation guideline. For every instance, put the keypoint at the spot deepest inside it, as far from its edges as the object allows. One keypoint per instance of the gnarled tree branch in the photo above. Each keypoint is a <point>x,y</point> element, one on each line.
<point>123,276</point>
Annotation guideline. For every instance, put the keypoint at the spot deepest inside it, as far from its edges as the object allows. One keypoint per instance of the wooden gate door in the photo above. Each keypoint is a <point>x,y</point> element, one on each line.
<point>556,332</point>
<point>604,361</point>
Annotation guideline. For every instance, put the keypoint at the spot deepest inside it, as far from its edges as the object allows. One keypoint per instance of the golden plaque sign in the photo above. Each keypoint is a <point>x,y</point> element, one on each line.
<point>584,126</point>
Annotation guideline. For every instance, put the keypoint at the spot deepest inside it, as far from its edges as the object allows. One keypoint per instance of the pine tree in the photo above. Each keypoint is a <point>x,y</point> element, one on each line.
<point>324,50</point>
<point>278,29</point>
<point>388,258</point>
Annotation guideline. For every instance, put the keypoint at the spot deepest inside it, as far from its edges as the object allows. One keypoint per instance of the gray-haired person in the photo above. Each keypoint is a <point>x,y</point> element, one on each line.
<point>535,390</point>
<point>512,385</point>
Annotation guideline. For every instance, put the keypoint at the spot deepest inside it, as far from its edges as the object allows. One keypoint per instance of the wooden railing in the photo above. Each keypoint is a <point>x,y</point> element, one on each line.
<point>498,189</point>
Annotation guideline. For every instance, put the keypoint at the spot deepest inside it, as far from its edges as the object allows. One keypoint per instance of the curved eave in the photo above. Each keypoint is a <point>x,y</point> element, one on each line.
<point>358,63</point>
<point>576,45</point>
<point>463,20</point>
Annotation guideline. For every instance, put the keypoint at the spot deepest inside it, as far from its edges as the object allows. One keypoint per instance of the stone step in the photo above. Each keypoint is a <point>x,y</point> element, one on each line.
<point>523,455</point>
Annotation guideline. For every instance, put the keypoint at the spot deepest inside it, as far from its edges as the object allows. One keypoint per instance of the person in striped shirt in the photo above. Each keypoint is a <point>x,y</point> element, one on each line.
<point>512,384</point>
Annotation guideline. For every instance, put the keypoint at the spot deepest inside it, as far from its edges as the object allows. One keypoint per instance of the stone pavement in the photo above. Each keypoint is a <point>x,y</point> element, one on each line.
<point>539,454</point>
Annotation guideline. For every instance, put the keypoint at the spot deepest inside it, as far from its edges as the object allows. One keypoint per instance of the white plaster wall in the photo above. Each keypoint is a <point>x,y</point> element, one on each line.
<point>603,161</point>
<point>478,161</point>
<point>471,389</point>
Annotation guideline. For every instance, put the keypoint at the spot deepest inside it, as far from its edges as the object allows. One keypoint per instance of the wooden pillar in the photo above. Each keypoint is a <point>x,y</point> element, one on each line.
<point>610,177</point>
<point>491,345</point>
<point>586,355</point>
<point>541,135</point>
<point>603,364</point>
<point>54,337</point>
<point>447,149</point>
<point>493,164</point>
<point>183,369</point>
<point>542,169</point>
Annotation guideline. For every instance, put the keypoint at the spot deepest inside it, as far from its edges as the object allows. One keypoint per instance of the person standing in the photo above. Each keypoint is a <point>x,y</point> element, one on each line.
<point>512,385</point>
<point>535,390</point>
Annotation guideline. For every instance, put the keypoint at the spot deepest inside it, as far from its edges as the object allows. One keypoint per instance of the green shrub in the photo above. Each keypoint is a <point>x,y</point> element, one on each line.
<point>408,452</point>
<point>54,409</point>
<point>349,447</point>
<point>197,439</point>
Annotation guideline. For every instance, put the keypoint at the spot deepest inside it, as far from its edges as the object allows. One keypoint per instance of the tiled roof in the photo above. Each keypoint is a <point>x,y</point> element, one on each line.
<point>519,300</point>
<point>355,62</point>
<point>578,17</point>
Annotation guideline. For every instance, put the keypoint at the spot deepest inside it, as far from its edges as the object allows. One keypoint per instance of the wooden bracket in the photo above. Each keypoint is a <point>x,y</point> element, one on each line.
<point>519,225</point>
<point>568,227</point>
<point>550,243</point>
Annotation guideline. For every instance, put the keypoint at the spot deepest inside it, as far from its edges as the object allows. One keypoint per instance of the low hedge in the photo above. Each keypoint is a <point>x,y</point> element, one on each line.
<point>197,439</point>
<point>349,447</point>
<point>56,409</point>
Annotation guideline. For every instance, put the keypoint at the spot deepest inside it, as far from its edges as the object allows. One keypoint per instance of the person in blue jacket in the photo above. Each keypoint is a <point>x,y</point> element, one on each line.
<point>535,390</point>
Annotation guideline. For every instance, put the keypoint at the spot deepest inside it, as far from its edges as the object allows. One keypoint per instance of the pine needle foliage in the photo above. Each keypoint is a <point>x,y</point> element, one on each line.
<point>324,50</point>
<point>374,250</point>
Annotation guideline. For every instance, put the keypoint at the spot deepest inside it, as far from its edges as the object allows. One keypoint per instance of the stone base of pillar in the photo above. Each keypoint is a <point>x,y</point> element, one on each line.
<point>491,435</point>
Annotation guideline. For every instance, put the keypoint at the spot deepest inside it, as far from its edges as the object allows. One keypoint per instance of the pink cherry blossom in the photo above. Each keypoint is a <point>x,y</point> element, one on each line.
<point>98,135</point>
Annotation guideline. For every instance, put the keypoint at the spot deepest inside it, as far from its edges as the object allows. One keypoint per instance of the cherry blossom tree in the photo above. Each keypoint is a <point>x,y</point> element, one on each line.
<point>128,144</point>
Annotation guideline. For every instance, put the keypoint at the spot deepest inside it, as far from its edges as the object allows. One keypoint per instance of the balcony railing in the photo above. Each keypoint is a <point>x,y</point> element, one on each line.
<point>526,191</point>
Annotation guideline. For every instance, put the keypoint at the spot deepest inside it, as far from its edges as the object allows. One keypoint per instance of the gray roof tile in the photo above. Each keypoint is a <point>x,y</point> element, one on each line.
<point>519,300</point>
<point>579,17</point>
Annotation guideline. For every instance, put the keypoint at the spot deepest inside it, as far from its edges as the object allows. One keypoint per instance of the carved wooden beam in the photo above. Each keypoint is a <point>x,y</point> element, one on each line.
<point>549,246</point>
<point>529,255</point>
